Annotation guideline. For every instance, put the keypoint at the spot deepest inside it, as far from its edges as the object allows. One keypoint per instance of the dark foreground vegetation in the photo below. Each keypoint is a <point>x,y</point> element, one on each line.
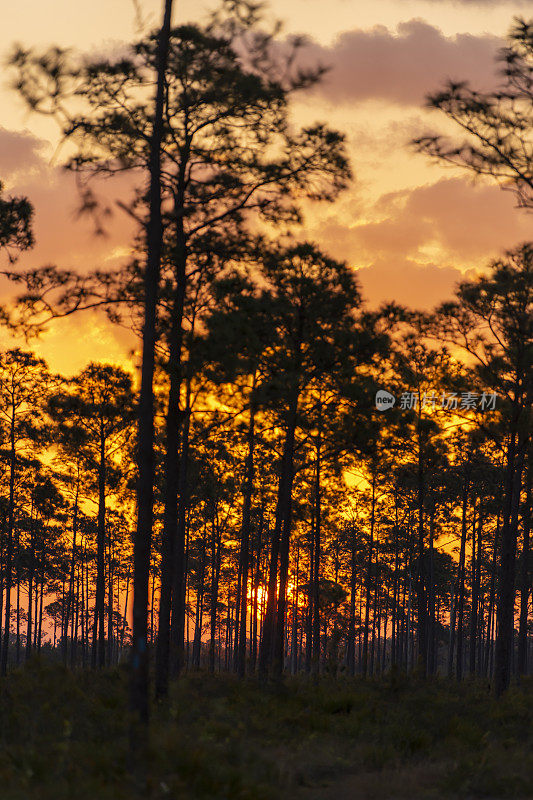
<point>65,735</point>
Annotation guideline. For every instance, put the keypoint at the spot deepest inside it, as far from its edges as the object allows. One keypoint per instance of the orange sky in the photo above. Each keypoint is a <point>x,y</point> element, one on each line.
<point>410,228</point>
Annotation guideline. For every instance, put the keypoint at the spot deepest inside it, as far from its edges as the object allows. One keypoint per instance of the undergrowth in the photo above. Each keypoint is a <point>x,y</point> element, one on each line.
<point>64,735</point>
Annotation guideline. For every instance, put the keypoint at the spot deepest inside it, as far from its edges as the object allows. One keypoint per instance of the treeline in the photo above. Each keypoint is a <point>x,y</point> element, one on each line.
<point>292,481</point>
<point>296,526</point>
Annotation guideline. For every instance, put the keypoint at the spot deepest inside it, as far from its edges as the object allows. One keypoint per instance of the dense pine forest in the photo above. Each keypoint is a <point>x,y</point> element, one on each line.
<point>286,495</point>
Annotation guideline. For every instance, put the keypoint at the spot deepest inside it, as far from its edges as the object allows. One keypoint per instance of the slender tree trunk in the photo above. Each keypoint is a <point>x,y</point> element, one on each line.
<point>31,572</point>
<point>506,573</point>
<point>257,584</point>
<point>421,597</point>
<point>525,589</point>
<point>64,634</point>
<point>395,587</point>
<point>139,682</point>
<point>285,507</point>
<point>40,618</point>
<point>374,613</point>
<point>310,584</point>
<point>368,587</point>
<point>177,632</point>
<point>273,634</point>
<point>152,606</point>
<point>98,656</point>
<point>17,648</point>
<point>386,601</point>
<point>315,662</point>
<point>215,576</point>
<point>245,539</point>
<point>294,634</point>
<point>86,615</point>
<point>461,594</point>
<point>82,606</point>
<point>350,654</point>
<point>476,579</point>
<point>125,615</point>
<point>455,588</point>
<point>197,643</point>
<point>431,597</point>
<point>75,623</point>
<point>172,552</point>
<point>9,554</point>
<point>110,605</point>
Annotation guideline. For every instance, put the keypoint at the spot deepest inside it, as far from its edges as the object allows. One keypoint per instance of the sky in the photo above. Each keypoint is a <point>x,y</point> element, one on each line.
<point>411,229</point>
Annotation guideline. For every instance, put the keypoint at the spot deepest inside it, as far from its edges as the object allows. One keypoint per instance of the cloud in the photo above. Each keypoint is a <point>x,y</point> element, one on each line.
<point>517,3</point>
<point>464,220</point>
<point>62,237</point>
<point>450,221</point>
<point>67,241</point>
<point>402,66</point>
<point>20,153</point>
<point>413,245</point>
<point>408,283</point>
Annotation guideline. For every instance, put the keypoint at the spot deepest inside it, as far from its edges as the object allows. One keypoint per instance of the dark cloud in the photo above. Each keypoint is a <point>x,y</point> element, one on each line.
<point>402,67</point>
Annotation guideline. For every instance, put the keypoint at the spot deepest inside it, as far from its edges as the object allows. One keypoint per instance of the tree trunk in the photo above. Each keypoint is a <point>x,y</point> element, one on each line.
<point>9,554</point>
<point>98,656</point>
<point>139,681</point>
<point>350,650</point>
<point>368,587</point>
<point>294,633</point>
<point>170,557</point>
<point>245,540</point>
<point>40,617</point>
<point>461,591</point>
<point>64,633</point>
<point>215,576</point>
<point>271,633</point>
<point>31,572</point>
<point>285,510</point>
<point>422,629</point>
<point>257,584</point>
<point>476,580</point>
<point>431,597</point>
<point>177,632</point>
<point>525,589</point>
<point>506,572</point>
<point>110,605</point>
<point>197,642</point>
<point>455,588</point>
<point>315,661</point>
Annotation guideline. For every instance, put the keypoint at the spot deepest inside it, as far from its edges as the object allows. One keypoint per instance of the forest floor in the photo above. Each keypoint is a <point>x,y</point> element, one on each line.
<point>64,735</point>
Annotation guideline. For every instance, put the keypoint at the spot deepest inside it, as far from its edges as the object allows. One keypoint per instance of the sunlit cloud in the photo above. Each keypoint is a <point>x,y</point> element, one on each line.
<point>387,64</point>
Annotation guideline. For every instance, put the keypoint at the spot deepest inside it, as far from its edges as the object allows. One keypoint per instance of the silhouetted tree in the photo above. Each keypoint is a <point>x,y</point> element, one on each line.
<point>498,125</point>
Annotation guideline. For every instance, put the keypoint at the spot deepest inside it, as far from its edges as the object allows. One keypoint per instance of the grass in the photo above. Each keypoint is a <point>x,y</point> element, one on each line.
<point>64,735</point>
